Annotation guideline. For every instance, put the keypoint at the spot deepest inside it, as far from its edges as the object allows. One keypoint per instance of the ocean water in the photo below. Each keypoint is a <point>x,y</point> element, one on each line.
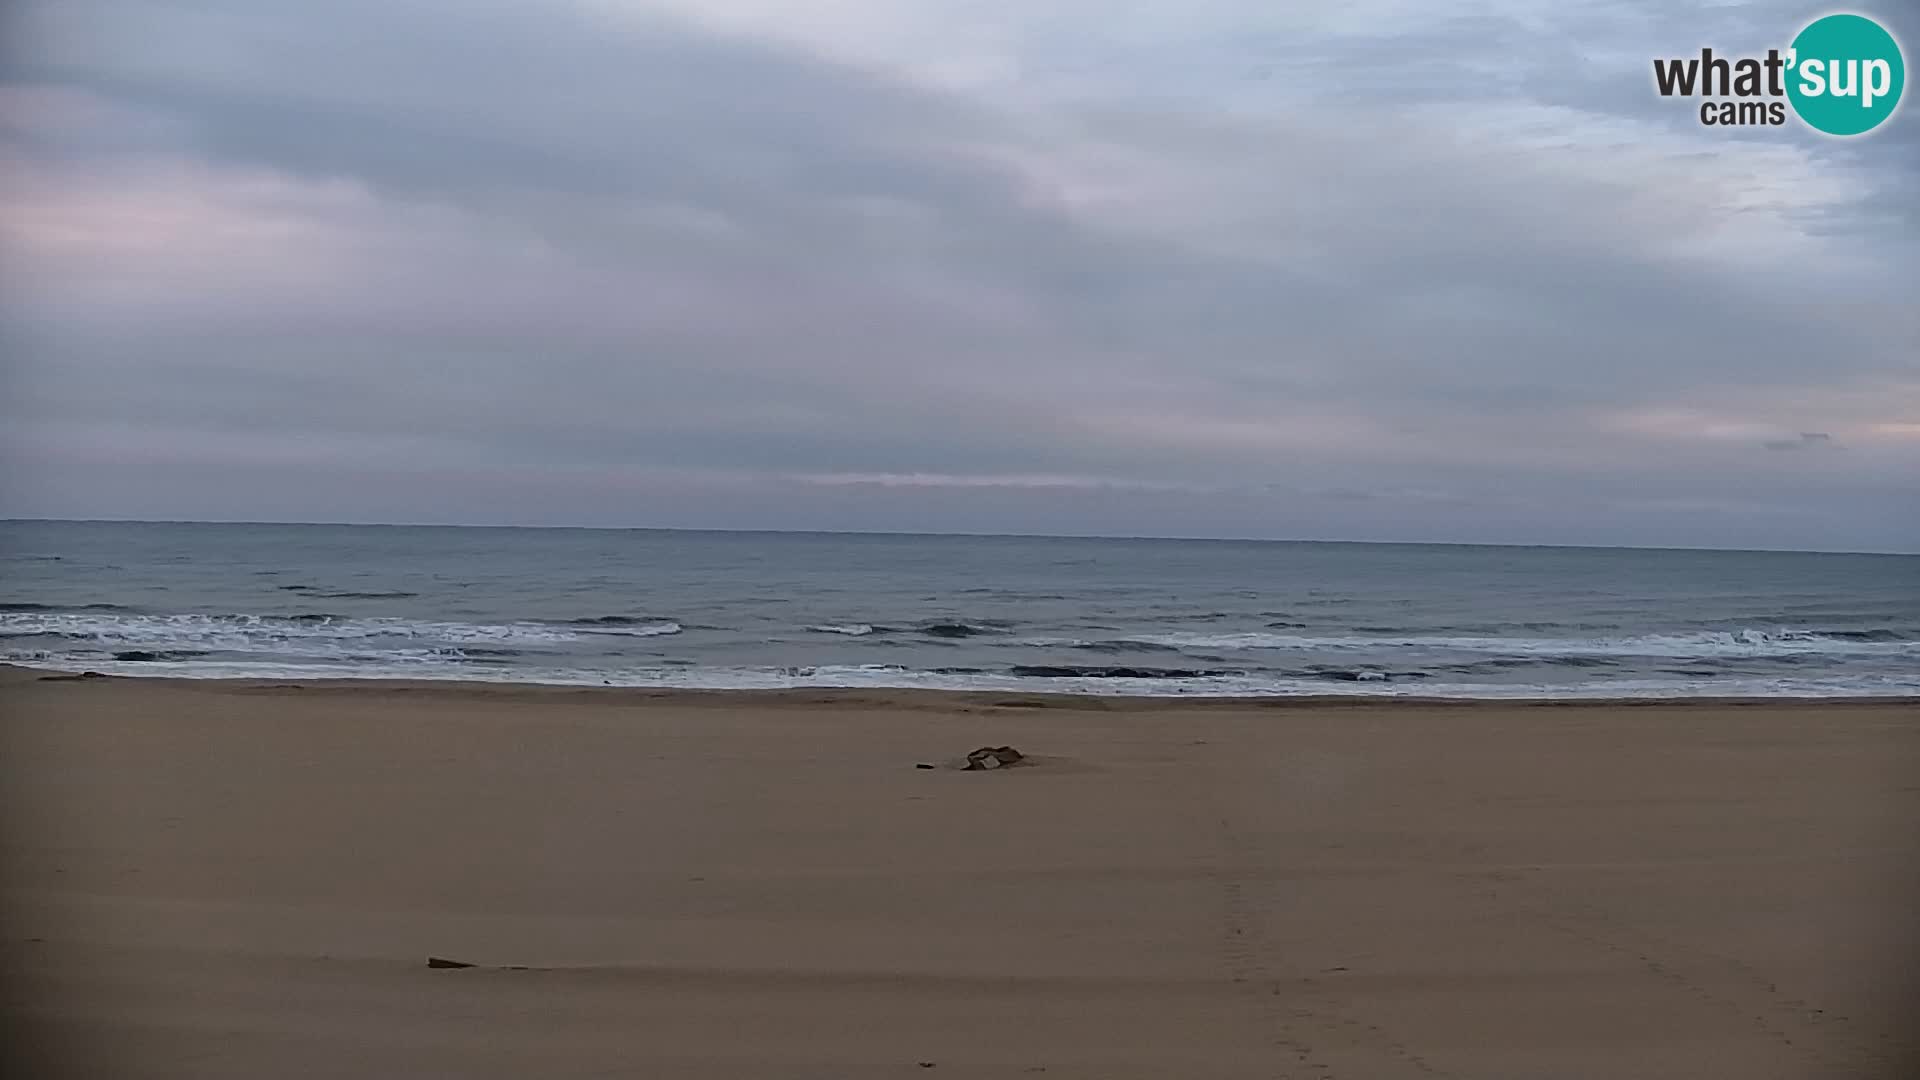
<point>764,610</point>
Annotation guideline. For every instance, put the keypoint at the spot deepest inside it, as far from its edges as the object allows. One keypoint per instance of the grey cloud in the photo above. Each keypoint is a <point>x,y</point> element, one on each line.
<point>579,244</point>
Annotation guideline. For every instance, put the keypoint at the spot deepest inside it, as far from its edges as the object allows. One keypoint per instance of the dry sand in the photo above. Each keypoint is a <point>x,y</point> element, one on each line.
<point>222,880</point>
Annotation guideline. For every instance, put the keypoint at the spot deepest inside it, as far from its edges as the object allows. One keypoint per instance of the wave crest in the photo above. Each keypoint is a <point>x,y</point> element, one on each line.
<point>1745,642</point>
<point>956,629</point>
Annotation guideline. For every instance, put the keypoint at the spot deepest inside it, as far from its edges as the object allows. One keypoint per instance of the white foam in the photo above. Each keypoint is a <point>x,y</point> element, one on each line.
<point>880,676</point>
<point>1677,646</point>
<point>659,629</point>
<point>243,633</point>
<point>849,629</point>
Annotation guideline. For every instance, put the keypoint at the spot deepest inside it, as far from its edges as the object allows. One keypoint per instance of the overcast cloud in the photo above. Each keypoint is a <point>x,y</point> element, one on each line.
<point>1352,270</point>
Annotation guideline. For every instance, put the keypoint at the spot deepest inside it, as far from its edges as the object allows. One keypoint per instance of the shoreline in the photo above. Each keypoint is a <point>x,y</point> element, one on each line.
<point>922,696</point>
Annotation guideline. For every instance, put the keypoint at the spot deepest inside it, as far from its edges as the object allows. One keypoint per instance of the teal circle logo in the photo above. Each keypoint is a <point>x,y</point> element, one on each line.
<point>1846,74</point>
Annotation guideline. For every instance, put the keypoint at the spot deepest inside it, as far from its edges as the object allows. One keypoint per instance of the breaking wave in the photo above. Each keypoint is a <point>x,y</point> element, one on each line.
<point>25,607</point>
<point>257,632</point>
<point>651,629</point>
<point>1679,645</point>
<point>622,625</point>
<point>954,629</point>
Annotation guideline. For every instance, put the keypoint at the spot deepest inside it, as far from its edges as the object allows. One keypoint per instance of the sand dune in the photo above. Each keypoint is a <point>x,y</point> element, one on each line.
<point>213,880</point>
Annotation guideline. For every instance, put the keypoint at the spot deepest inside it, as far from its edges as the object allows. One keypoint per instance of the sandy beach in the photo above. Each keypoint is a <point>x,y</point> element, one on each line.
<point>234,880</point>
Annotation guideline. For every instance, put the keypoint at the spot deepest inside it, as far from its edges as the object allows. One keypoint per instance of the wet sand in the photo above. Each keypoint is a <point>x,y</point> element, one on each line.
<point>233,880</point>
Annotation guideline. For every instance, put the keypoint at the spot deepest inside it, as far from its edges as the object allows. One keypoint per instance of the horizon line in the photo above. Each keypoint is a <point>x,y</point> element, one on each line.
<point>971,535</point>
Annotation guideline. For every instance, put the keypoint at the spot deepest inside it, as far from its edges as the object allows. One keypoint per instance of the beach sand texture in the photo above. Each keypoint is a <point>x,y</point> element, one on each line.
<point>232,880</point>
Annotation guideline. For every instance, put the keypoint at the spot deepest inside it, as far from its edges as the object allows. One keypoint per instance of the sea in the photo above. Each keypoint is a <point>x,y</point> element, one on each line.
<point>754,610</point>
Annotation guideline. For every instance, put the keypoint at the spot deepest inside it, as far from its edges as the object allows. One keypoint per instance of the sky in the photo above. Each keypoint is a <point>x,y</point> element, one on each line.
<point>1371,270</point>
